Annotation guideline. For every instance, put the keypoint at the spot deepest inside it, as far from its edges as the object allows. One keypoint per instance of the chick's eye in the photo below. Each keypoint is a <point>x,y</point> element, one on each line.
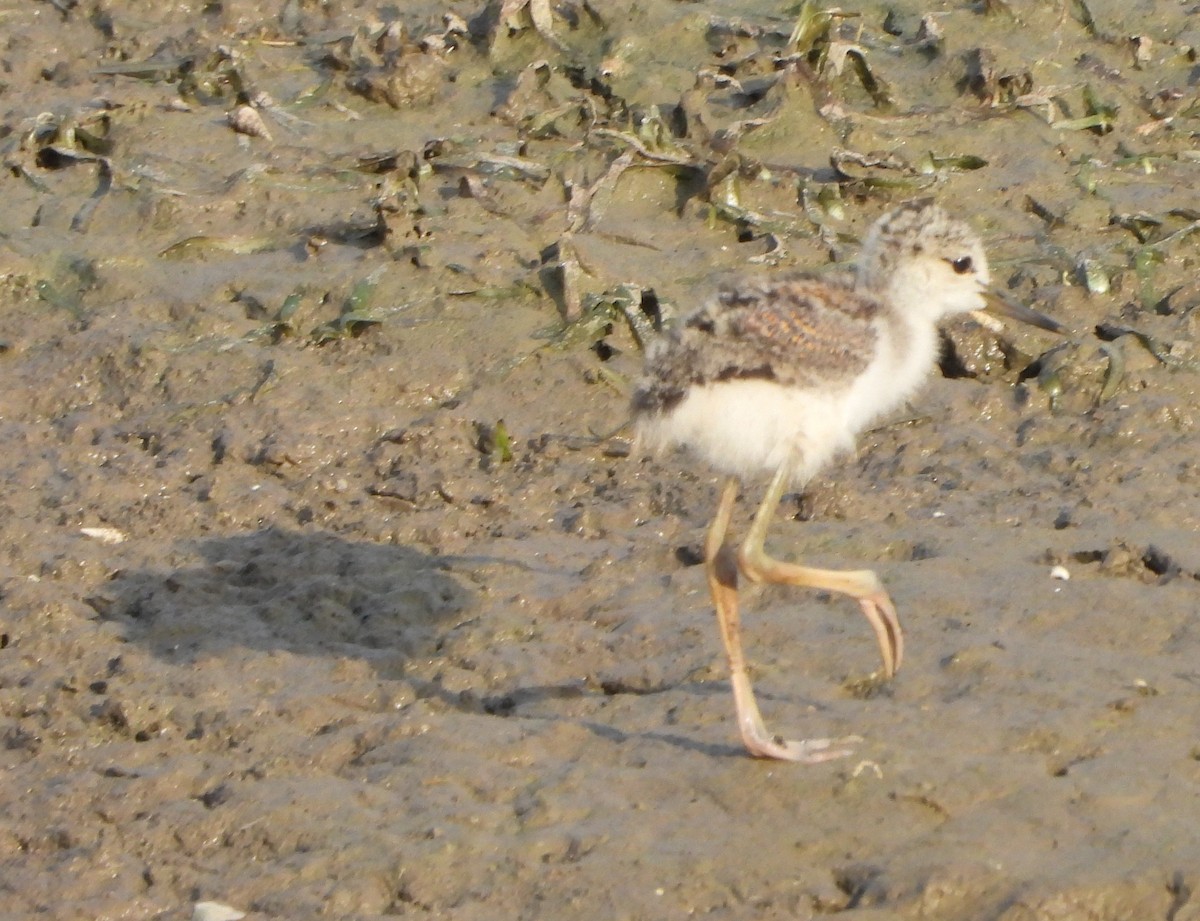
<point>962,265</point>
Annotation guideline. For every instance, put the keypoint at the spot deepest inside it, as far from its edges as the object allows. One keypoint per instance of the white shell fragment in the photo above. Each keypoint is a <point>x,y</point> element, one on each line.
<point>1060,572</point>
<point>104,535</point>
<point>246,120</point>
<point>215,911</point>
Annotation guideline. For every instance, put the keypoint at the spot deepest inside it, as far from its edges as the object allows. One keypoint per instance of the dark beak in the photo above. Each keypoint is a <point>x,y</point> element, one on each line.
<point>1006,306</point>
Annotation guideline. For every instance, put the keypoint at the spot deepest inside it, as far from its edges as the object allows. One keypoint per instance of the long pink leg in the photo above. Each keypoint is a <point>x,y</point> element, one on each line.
<point>862,585</point>
<point>721,567</point>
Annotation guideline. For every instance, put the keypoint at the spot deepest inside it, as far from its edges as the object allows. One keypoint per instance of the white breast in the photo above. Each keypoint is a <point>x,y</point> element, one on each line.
<point>752,427</point>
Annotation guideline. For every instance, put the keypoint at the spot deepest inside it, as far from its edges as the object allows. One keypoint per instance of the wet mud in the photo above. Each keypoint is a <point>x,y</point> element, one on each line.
<point>332,588</point>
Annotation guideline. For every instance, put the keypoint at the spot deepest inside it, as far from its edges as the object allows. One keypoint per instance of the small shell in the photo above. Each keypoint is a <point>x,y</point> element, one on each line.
<point>1060,572</point>
<point>1141,49</point>
<point>1094,275</point>
<point>215,911</point>
<point>104,535</point>
<point>246,120</point>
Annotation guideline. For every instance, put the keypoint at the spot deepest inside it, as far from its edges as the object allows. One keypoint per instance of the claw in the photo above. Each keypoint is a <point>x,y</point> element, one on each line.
<point>881,613</point>
<point>801,751</point>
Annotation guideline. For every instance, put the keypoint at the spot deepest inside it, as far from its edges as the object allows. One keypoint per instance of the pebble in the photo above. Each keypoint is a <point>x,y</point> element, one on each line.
<point>215,911</point>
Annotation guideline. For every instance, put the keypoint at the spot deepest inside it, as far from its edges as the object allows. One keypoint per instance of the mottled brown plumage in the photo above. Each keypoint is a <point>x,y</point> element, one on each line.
<point>799,332</point>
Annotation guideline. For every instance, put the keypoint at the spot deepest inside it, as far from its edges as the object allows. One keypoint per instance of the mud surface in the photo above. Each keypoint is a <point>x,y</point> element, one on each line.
<point>328,590</point>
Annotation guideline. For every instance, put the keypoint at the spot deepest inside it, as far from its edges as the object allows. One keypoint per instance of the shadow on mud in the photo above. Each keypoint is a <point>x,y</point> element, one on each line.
<point>310,594</point>
<point>318,594</point>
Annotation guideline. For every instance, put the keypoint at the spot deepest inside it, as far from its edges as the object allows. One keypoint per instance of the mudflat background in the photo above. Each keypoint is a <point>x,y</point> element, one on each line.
<point>330,584</point>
